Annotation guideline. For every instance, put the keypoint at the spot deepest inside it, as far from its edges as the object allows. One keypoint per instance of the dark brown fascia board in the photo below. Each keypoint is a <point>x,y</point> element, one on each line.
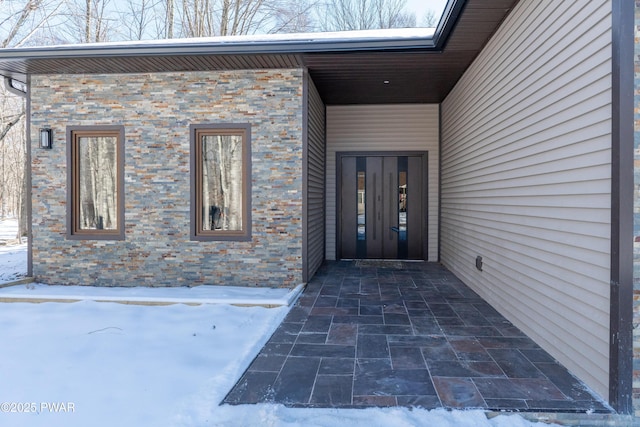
<point>452,11</point>
<point>299,46</point>
<point>621,364</point>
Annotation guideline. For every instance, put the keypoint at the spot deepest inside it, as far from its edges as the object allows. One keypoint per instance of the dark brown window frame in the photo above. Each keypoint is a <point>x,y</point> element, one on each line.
<point>74,232</point>
<point>195,131</point>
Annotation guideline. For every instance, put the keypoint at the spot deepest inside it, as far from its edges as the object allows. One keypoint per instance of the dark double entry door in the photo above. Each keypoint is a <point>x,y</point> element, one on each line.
<point>382,206</point>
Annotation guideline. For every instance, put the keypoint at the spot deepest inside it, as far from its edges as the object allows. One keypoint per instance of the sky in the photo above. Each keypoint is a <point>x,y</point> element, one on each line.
<point>421,6</point>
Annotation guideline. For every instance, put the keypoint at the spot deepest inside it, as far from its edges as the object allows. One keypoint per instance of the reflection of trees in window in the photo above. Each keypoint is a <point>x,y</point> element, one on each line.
<point>222,182</point>
<point>98,183</point>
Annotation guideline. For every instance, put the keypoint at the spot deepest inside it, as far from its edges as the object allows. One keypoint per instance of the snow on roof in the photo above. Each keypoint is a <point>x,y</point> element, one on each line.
<point>381,35</point>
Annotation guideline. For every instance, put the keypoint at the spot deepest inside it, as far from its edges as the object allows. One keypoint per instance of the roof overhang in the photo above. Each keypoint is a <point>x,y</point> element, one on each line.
<point>420,65</point>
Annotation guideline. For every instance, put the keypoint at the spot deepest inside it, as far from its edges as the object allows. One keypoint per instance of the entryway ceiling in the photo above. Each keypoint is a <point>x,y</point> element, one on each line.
<point>413,76</point>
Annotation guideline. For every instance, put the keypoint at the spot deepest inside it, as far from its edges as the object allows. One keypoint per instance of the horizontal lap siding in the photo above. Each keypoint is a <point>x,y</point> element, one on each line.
<point>411,127</point>
<point>526,178</point>
<point>315,181</point>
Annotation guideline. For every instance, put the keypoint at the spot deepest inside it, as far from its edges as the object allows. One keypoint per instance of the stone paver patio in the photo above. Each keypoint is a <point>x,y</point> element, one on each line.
<point>404,334</point>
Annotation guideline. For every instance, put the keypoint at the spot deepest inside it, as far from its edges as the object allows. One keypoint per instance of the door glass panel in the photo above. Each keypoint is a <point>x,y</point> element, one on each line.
<point>361,206</point>
<point>402,208</point>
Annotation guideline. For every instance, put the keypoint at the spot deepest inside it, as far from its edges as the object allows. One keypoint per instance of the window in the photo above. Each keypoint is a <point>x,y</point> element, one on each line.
<point>220,182</point>
<point>95,157</point>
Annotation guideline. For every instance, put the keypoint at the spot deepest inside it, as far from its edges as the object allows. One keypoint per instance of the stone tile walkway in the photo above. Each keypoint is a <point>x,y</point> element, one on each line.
<point>404,334</point>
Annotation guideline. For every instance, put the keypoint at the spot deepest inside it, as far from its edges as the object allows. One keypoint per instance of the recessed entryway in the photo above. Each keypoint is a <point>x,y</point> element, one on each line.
<point>382,205</point>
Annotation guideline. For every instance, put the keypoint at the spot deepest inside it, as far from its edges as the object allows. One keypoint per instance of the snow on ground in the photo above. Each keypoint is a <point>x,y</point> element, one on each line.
<point>8,229</point>
<point>204,294</point>
<point>13,258</point>
<point>111,364</point>
<point>13,263</point>
<point>106,364</point>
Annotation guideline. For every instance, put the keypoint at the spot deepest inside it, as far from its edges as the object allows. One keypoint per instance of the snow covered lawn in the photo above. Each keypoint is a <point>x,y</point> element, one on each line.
<point>13,263</point>
<point>124,365</point>
<point>107,364</point>
<point>13,258</point>
<point>8,229</point>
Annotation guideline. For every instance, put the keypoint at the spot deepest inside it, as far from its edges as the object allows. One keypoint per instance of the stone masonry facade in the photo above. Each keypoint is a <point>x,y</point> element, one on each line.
<point>156,110</point>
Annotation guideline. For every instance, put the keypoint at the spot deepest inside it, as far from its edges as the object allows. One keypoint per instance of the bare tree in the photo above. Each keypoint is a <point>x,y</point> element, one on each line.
<point>169,19</point>
<point>19,24</point>
<point>137,19</point>
<point>294,16</point>
<point>88,22</point>
<point>347,15</point>
<point>12,154</point>
<point>197,18</point>
<point>98,20</point>
<point>429,20</point>
<point>98,183</point>
<point>13,159</point>
<point>208,18</point>
<point>8,122</point>
<point>222,182</point>
<point>20,21</point>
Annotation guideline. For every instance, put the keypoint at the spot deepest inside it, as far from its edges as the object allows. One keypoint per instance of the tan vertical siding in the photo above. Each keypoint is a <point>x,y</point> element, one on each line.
<point>526,178</point>
<point>315,180</point>
<point>383,128</point>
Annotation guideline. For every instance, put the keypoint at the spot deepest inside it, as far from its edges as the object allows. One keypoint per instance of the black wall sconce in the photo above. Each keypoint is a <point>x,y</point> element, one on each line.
<point>479,263</point>
<point>46,138</point>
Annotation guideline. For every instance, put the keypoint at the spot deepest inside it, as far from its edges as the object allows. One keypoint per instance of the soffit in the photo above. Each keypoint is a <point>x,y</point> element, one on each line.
<point>342,77</point>
<point>414,77</point>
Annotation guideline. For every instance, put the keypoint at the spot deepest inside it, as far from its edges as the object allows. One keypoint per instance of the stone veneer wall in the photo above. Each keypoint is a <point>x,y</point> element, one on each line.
<point>156,111</point>
<point>636,226</point>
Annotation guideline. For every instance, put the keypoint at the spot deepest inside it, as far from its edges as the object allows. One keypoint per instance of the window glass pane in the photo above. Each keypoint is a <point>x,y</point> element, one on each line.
<point>97,183</point>
<point>350,15</point>
<point>222,182</point>
<point>402,208</point>
<point>361,206</point>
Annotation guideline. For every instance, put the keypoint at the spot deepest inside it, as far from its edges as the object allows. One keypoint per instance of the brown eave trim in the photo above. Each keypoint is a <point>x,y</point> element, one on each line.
<point>305,176</point>
<point>28,185</point>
